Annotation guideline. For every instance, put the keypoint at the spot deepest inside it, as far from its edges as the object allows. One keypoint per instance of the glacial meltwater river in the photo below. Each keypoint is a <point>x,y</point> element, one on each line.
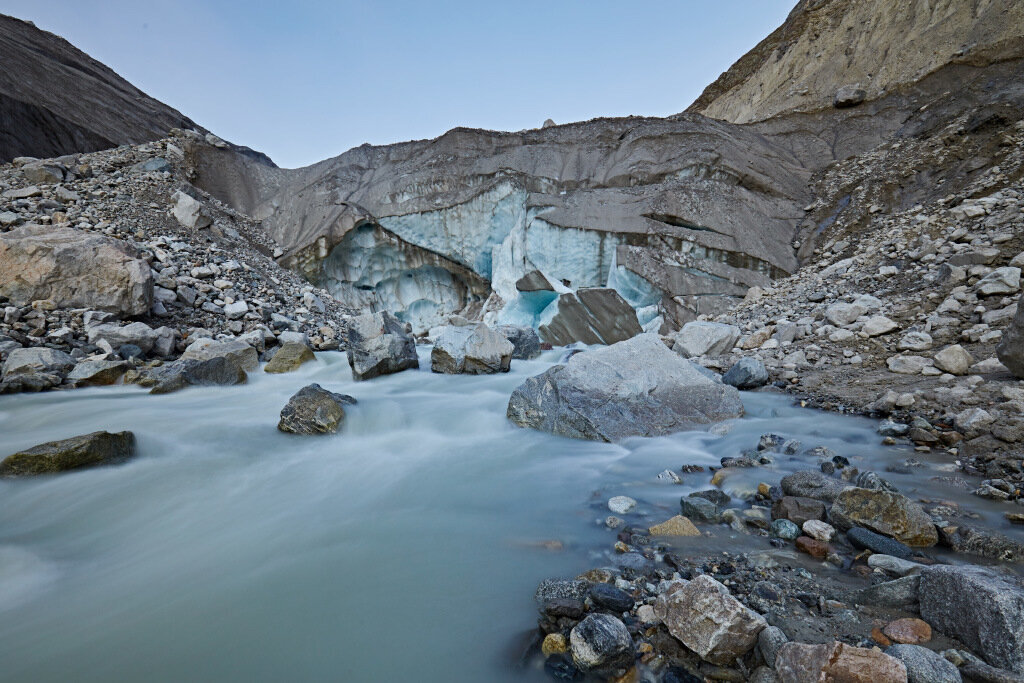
<point>406,548</point>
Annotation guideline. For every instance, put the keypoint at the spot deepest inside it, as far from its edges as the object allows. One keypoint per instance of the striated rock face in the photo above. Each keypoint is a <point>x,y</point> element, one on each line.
<point>74,269</point>
<point>636,387</point>
<point>380,345</point>
<point>591,316</point>
<point>854,54</point>
<point>56,100</point>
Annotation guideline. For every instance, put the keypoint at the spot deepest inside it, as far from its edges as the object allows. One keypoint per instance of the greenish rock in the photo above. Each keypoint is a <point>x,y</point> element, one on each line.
<point>94,373</point>
<point>886,513</point>
<point>289,358</point>
<point>314,410</point>
<point>88,450</point>
<point>216,371</point>
<point>783,528</point>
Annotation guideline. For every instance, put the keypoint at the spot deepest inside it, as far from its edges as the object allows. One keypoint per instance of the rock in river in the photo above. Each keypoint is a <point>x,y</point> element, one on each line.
<point>314,410</point>
<point>747,373</point>
<point>471,350</point>
<point>289,358</point>
<point>89,450</point>
<point>525,342</point>
<point>1011,347</point>
<point>884,512</point>
<point>633,388</point>
<point>379,344</point>
<point>601,643</point>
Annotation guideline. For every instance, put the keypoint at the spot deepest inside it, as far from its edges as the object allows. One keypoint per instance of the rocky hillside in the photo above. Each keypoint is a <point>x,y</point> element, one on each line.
<point>56,100</point>
<point>876,48</point>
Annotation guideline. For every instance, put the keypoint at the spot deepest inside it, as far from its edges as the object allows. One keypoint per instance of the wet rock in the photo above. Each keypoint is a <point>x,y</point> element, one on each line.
<point>835,661</point>
<point>525,342</point>
<point>182,373</point>
<point>819,531</point>
<point>813,547</point>
<point>554,589</point>
<point>1011,347</point>
<point>705,339</point>
<point>25,361</point>
<point>592,316</point>
<point>982,542</point>
<point>884,512</point>
<point>810,484</point>
<point>94,373</point>
<point>611,598</point>
<point>601,643</point>
<point>923,665</point>
<point>849,96</point>
<point>314,410</point>
<point>710,621</point>
<point>716,496</point>
<point>676,526</point>
<point>621,505</point>
<point>471,350</point>
<point>554,644</point>
<point>893,565</point>
<point>634,388</point>
<point>235,352</point>
<point>981,608</point>
<point>908,631</point>
<point>699,509</point>
<point>798,510</point>
<point>747,373</point>
<point>561,668</point>
<point>289,358</point>
<point>877,543</point>
<point>379,344</point>
<point>902,592</point>
<point>73,269</point>
<point>88,450</point>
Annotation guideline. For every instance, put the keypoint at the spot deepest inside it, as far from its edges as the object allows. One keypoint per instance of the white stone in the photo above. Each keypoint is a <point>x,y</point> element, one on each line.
<point>954,359</point>
<point>878,325</point>
<point>819,530</point>
<point>915,341</point>
<point>621,505</point>
<point>909,365</point>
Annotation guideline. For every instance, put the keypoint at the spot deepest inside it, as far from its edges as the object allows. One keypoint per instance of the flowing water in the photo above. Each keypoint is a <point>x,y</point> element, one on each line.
<point>407,547</point>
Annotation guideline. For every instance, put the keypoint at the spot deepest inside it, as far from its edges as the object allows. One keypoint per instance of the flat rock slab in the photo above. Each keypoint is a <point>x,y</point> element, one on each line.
<point>592,316</point>
<point>471,350</point>
<point>637,387</point>
<point>289,358</point>
<point>88,450</point>
<point>887,513</point>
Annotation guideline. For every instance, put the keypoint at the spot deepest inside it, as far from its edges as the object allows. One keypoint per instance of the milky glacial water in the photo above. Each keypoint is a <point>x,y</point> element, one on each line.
<point>407,547</point>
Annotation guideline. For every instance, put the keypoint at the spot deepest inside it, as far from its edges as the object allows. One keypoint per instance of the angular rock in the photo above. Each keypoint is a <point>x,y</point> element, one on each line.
<point>137,334</point>
<point>93,373</point>
<point>35,360</point>
<point>184,372</point>
<point>189,212</point>
<point>233,351</point>
<point>601,643</point>
<point>314,410</point>
<point>1000,281</point>
<point>74,269</point>
<point>923,665</point>
<point>908,631</point>
<point>841,314</point>
<point>289,358</point>
<point>954,359</point>
<point>710,621</point>
<point>633,388</point>
<point>88,450</point>
<point>811,484</point>
<point>747,373</point>
<point>901,592</point>
<point>525,342</point>
<point>863,538</point>
<point>798,510</point>
<point>471,350</point>
<point>594,315</point>
<point>980,607</point>
<point>379,344</point>
<point>849,96</point>
<point>835,661</point>
<point>611,598</point>
<point>769,641</point>
<point>705,339</point>
<point>982,542</point>
<point>884,512</point>
<point>878,325</point>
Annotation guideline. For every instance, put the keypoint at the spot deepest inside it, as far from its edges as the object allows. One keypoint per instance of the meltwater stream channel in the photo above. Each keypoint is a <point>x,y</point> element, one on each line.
<point>406,548</point>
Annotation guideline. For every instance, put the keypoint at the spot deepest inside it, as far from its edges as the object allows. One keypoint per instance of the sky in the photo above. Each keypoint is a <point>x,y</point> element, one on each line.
<point>305,80</point>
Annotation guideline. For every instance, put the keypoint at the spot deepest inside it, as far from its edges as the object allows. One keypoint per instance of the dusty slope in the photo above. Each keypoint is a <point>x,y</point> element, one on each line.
<point>881,45</point>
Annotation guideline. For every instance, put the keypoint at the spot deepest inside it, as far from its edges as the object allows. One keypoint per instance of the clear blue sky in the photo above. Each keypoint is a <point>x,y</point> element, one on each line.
<point>304,80</point>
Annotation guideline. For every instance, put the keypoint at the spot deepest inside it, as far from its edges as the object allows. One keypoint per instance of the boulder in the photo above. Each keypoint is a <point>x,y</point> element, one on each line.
<point>708,620</point>
<point>189,212</point>
<point>705,339</point>
<point>954,359</point>
<point>890,514</point>
<point>923,665</point>
<point>314,410</point>
<point>471,350</point>
<point>92,373</point>
<point>1011,348</point>
<point>234,351</point>
<point>137,334</point>
<point>798,509</point>
<point>633,388</point>
<point>24,361</point>
<point>1000,281</point>
<point>42,173</point>
<point>601,643</point>
<point>217,371</point>
<point>839,662</point>
<point>525,342</point>
<point>866,539</point>
<point>596,315</point>
<point>89,450</point>
<point>379,344</point>
<point>74,269</point>
<point>980,607</point>
<point>849,96</point>
<point>841,314</point>
<point>811,484</point>
<point>289,358</point>
<point>747,373</point>
<point>983,542</point>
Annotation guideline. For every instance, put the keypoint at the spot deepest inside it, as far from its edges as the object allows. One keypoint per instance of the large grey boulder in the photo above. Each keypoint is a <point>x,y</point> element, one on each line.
<point>525,342</point>
<point>980,607</point>
<point>37,360</point>
<point>1011,349</point>
<point>708,620</point>
<point>88,450</point>
<point>379,344</point>
<point>90,373</point>
<point>314,410</point>
<point>636,387</point>
<point>700,338</point>
<point>811,484</point>
<point>471,350</point>
<point>594,315</point>
<point>234,351</point>
<point>189,212</point>
<point>74,269</point>
<point>116,336</point>
<point>184,372</point>
<point>289,358</point>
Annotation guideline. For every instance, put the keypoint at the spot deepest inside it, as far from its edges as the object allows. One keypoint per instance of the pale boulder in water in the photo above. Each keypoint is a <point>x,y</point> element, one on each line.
<point>637,387</point>
<point>471,350</point>
<point>380,344</point>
